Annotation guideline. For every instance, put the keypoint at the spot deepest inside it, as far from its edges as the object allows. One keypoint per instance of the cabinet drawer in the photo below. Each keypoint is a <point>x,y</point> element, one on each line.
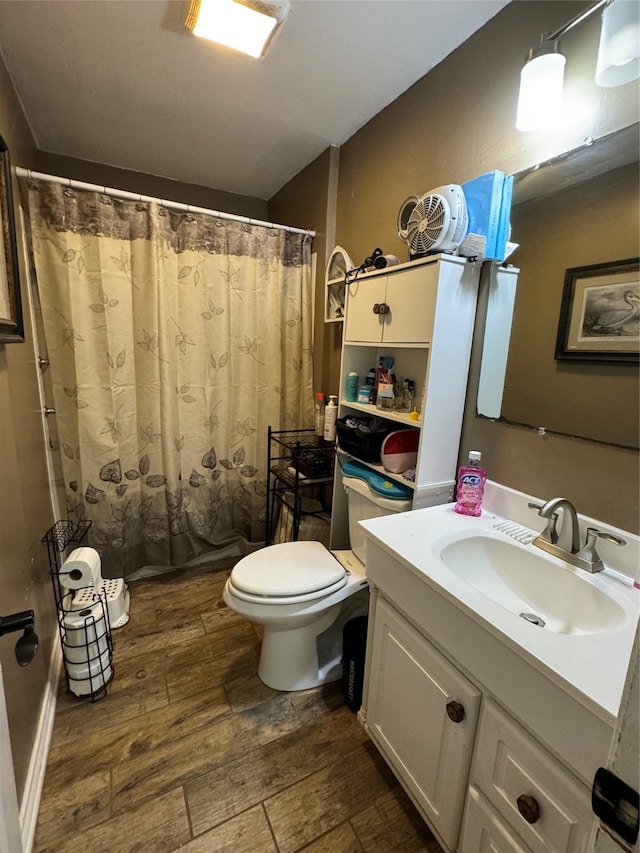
<point>484,831</point>
<point>517,775</point>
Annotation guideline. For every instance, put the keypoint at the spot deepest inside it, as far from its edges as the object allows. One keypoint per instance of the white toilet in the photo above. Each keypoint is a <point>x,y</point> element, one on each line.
<point>303,596</point>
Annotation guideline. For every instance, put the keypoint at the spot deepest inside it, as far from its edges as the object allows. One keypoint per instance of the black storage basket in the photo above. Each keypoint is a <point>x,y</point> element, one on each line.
<point>362,437</point>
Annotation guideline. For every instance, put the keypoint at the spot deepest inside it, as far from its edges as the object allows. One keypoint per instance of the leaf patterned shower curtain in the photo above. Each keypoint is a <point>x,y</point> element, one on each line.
<point>175,340</point>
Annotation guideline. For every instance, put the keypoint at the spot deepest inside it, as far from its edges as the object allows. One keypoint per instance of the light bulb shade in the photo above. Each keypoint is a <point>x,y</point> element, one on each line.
<point>246,27</point>
<point>619,52</point>
<point>540,100</point>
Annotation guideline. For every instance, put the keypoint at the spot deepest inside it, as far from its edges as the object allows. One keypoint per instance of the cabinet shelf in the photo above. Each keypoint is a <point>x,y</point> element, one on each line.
<point>397,478</point>
<point>388,414</point>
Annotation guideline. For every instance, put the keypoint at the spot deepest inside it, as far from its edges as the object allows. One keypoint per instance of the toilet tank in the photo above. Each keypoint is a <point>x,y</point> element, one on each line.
<point>363,503</point>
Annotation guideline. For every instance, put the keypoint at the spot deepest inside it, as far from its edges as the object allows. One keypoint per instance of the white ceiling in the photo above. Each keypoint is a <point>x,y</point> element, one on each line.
<point>123,82</point>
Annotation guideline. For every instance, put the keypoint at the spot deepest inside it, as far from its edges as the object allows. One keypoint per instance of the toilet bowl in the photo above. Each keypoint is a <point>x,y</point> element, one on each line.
<point>303,596</point>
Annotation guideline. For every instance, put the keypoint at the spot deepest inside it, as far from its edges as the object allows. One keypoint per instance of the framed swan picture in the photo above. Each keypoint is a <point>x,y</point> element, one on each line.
<point>600,313</point>
<point>11,324</point>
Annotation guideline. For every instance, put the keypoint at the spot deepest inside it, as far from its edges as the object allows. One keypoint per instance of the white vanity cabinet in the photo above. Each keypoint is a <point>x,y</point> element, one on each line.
<point>427,329</point>
<point>513,775</point>
<point>422,715</point>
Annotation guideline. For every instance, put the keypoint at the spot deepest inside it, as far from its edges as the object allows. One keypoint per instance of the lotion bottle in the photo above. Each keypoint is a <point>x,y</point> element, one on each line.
<point>330,414</point>
<point>471,480</point>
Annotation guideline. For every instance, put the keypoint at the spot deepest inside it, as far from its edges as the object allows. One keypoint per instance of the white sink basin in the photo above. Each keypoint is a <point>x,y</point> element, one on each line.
<point>524,580</point>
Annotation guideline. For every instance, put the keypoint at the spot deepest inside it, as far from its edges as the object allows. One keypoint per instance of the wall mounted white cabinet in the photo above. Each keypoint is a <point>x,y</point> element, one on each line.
<point>422,314</point>
<point>395,307</point>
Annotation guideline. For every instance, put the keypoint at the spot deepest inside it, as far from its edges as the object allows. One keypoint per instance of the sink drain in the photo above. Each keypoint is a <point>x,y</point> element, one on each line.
<point>535,620</point>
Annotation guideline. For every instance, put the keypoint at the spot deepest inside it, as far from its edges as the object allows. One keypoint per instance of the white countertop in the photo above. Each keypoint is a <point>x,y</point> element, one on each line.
<point>592,667</point>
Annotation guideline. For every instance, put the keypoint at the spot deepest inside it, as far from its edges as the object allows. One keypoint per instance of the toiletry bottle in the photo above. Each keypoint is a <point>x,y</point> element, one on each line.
<point>330,414</point>
<point>471,480</point>
<point>318,413</point>
<point>352,387</point>
<point>370,382</point>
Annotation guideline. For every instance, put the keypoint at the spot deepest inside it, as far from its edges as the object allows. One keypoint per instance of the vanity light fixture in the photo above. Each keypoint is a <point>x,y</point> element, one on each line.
<point>244,25</point>
<point>619,52</point>
<point>541,82</point>
<point>542,78</point>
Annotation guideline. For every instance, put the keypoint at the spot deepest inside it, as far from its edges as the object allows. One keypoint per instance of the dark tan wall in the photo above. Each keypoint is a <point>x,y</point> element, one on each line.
<point>458,122</point>
<point>304,202</point>
<point>25,510</point>
<point>137,182</point>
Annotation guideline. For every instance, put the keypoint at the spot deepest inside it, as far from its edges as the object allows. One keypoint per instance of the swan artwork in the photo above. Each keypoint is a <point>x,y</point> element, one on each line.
<point>617,319</point>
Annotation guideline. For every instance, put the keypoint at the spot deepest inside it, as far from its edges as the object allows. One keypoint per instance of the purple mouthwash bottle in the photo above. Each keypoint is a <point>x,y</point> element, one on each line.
<point>471,480</point>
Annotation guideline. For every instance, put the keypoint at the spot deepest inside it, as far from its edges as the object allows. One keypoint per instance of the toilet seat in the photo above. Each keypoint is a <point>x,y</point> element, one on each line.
<point>288,573</point>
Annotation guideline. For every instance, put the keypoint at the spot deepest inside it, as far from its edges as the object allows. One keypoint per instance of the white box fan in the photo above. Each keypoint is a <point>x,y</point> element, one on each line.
<point>434,222</point>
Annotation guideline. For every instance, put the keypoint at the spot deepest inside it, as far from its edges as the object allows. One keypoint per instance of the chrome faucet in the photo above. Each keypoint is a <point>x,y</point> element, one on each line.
<point>568,539</point>
<point>566,542</point>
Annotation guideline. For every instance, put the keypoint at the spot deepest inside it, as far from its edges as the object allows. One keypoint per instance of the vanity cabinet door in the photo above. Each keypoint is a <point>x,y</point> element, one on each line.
<point>532,791</point>
<point>422,714</point>
<point>483,831</point>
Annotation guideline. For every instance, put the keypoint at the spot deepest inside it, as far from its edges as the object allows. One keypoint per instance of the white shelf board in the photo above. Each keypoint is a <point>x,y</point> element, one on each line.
<point>388,414</point>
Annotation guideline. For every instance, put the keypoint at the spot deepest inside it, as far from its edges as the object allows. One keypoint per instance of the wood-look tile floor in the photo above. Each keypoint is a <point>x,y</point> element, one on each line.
<point>190,751</point>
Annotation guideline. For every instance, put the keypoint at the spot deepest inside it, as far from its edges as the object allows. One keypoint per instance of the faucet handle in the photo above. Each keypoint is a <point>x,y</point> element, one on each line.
<point>589,552</point>
<point>593,534</point>
<point>550,533</point>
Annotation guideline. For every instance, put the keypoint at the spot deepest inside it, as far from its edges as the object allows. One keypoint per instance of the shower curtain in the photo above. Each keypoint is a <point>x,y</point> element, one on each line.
<point>174,339</point>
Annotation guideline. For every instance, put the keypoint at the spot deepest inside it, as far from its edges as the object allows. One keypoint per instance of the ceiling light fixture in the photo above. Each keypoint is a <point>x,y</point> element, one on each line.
<point>542,78</point>
<point>244,26</point>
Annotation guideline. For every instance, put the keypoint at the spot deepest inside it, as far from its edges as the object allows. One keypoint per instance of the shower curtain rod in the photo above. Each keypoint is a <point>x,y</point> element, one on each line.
<point>173,205</point>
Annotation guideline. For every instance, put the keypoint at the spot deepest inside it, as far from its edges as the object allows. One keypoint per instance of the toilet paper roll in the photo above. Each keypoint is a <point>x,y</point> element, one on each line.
<point>85,654</point>
<point>81,568</point>
<point>94,670</point>
<point>86,680</point>
<point>82,627</point>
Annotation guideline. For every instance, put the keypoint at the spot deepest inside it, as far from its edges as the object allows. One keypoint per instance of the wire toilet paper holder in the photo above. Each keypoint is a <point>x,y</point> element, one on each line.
<point>85,630</point>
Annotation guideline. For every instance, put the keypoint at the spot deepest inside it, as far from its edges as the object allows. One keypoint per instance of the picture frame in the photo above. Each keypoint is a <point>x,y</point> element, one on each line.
<point>600,313</point>
<point>11,320</point>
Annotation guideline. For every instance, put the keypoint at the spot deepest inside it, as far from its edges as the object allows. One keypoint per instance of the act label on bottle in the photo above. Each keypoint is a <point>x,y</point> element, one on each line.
<point>472,480</point>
